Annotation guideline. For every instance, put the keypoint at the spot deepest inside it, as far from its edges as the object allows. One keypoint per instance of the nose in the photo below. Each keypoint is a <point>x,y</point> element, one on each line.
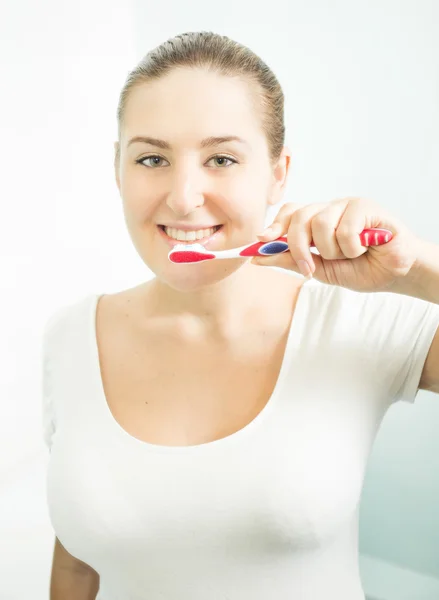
<point>185,196</point>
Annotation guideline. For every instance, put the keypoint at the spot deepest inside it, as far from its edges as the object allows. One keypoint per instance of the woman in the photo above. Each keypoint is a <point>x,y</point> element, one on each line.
<point>209,429</point>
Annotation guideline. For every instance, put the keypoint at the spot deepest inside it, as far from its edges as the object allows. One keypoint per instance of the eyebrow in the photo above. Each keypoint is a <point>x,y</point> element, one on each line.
<point>206,143</point>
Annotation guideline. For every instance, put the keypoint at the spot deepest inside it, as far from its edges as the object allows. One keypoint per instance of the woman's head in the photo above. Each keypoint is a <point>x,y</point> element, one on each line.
<point>189,90</point>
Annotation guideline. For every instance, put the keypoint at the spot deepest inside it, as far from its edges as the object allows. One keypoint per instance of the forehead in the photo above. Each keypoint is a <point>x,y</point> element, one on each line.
<point>196,99</point>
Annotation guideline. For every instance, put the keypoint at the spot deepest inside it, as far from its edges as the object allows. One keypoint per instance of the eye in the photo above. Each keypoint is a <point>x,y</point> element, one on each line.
<point>155,160</point>
<point>154,157</point>
<point>223,157</point>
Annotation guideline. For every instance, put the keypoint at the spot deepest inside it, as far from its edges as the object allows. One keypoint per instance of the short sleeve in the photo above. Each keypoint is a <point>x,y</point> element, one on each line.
<point>412,324</point>
<point>383,338</point>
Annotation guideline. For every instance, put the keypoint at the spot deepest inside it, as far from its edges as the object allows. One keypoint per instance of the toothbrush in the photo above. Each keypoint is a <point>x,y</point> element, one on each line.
<point>194,253</point>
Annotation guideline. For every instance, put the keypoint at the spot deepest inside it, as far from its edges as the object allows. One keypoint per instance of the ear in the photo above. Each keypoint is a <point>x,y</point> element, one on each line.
<point>280,175</point>
<point>117,163</point>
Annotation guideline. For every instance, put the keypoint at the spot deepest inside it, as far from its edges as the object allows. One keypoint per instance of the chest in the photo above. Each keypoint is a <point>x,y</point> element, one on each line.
<point>165,391</point>
<point>289,483</point>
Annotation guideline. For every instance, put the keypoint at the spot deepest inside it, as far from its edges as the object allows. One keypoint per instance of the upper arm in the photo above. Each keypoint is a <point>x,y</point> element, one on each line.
<point>430,374</point>
<point>71,579</point>
<point>65,560</point>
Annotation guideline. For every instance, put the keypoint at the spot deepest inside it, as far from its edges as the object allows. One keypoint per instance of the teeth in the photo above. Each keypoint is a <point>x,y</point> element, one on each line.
<point>189,236</point>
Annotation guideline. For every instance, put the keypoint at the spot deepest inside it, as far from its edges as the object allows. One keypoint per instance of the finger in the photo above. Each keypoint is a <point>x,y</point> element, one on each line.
<point>299,234</point>
<point>280,224</point>
<point>355,218</point>
<point>323,231</point>
<point>283,261</point>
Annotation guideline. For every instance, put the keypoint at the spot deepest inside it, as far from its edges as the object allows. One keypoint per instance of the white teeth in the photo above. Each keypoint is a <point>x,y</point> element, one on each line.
<point>189,236</point>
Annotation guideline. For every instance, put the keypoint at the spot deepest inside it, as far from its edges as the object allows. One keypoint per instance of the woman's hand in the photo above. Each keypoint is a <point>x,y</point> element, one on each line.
<point>334,228</point>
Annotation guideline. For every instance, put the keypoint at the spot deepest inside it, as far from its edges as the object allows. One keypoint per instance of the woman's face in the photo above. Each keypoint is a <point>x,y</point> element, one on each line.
<point>182,179</point>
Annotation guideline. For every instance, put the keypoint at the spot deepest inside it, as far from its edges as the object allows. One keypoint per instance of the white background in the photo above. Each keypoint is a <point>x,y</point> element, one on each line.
<point>361,81</point>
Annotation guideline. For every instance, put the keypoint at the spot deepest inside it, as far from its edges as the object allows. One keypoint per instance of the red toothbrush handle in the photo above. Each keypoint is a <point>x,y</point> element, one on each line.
<point>368,237</point>
<point>372,237</point>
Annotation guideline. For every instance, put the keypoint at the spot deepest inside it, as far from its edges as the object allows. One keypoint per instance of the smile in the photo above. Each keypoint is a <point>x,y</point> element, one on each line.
<point>182,236</point>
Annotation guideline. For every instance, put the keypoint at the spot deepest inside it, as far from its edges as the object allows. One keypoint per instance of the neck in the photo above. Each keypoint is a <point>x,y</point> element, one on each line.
<point>223,307</point>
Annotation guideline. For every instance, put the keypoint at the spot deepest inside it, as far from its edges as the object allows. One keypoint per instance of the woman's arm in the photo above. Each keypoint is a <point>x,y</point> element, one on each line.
<point>71,578</point>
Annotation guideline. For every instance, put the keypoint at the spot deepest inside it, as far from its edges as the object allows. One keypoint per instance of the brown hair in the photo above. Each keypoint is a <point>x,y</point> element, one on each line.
<point>220,54</point>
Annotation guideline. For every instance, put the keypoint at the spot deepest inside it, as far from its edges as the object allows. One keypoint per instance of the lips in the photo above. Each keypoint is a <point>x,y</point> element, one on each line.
<point>187,227</point>
<point>205,241</point>
<point>193,235</point>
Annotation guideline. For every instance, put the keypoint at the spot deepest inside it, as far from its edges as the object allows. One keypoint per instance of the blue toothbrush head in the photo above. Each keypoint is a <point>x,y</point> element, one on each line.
<point>275,247</point>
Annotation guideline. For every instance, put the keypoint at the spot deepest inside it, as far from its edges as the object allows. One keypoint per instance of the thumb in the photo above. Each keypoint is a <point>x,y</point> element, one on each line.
<point>284,260</point>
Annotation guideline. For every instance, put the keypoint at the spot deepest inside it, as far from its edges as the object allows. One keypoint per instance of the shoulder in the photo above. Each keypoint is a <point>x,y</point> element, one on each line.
<point>125,304</point>
<point>366,310</point>
<point>67,317</point>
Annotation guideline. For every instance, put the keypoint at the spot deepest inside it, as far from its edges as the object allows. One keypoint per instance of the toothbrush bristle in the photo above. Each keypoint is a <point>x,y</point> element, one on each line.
<point>189,253</point>
<point>189,256</point>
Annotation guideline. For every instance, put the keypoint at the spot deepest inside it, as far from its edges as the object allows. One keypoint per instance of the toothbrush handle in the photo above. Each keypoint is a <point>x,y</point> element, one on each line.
<point>374,236</point>
<point>368,237</point>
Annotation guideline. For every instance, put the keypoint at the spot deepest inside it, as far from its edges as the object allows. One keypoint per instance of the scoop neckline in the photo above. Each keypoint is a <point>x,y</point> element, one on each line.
<point>107,415</point>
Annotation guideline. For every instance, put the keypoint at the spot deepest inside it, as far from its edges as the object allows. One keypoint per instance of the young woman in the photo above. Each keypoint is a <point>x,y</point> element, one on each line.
<point>209,429</point>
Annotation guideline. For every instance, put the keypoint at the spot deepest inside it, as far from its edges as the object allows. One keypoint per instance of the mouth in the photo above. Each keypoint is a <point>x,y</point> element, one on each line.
<point>179,236</point>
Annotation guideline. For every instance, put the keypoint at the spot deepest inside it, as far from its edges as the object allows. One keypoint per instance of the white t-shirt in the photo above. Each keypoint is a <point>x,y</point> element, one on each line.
<point>270,511</point>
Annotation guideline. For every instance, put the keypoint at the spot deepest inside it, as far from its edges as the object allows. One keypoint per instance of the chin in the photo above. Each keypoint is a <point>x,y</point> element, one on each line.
<point>198,276</point>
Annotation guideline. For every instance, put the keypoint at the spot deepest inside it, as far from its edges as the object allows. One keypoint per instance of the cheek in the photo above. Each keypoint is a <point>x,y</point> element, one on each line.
<point>249,205</point>
<point>138,190</point>
<point>247,200</point>
<point>140,205</point>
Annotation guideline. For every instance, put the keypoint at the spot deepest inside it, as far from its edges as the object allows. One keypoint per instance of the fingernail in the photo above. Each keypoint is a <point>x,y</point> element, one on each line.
<point>267,231</point>
<point>304,268</point>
